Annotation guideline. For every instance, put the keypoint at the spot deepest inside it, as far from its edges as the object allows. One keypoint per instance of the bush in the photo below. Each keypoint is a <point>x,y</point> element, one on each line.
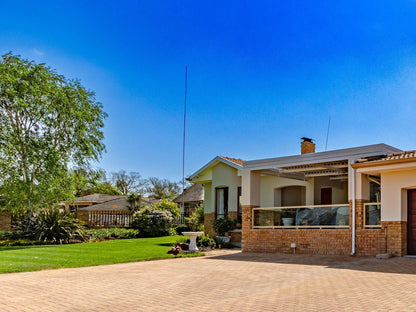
<point>166,205</point>
<point>205,241</point>
<point>152,223</point>
<point>222,226</point>
<point>10,235</point>
<point>182,228</point>
<point>52,225</point>
<point>196,220</point>
<point>22,242</point>
<point>109,233</point>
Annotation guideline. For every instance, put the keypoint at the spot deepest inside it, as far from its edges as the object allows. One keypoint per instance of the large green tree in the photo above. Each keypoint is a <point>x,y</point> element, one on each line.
<point>48,123</point>
<point>162,188</point>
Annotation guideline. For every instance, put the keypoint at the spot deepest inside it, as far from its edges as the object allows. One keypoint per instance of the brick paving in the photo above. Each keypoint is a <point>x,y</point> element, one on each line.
<point>222,281</point>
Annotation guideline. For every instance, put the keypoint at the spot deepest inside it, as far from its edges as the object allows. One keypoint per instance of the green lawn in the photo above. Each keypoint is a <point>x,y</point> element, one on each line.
<point>34,258</point>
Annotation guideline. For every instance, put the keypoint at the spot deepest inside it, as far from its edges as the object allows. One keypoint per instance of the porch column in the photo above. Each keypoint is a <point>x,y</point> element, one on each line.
<point>250,195</point>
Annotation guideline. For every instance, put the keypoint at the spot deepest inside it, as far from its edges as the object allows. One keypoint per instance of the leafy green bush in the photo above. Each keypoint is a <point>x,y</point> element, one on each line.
<point>196,220</point>
<point>51,225</point>
<point>10,235</point>
<point>108,233</point>
<point>222,226</point>
<point>205,241</point>
<point>152,223</point>
<point>22,242</point>
<point>166,205</point>
<point>182,228</point>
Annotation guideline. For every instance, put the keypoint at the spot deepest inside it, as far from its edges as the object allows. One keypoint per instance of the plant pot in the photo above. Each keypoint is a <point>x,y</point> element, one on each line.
<point>224,239</point>
<point>288,221</point>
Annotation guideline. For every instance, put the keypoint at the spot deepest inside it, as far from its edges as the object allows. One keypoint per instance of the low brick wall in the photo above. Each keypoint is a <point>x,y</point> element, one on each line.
<point>391,237</point>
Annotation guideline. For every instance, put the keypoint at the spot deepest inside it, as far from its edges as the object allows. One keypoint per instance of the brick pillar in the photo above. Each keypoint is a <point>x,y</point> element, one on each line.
<point>5,221</point>
<point>247,221</point>
<point>83,216</point>
<point>208,228</point>
<point>396,237</point>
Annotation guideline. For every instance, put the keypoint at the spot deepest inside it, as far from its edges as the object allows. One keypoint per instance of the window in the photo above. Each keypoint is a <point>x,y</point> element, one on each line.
<point>221,202</point>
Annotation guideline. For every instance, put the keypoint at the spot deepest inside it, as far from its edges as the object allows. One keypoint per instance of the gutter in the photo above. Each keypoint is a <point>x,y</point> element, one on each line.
<point>353,211</point>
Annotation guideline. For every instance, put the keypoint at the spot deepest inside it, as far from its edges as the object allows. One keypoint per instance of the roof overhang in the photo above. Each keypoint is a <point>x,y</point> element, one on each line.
<point>213,163</point>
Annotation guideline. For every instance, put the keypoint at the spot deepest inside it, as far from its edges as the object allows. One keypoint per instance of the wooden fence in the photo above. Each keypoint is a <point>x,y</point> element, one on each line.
<point>108,218</point>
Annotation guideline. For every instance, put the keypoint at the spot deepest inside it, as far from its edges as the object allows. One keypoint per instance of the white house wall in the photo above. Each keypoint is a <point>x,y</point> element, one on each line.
<point>394,187</point>
<point>268,184</point>
<point>339,190</point>
<point>208,204</point>
<point>225,176</point>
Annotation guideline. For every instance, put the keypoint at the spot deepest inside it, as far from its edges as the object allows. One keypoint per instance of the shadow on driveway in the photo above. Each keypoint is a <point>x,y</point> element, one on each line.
<point>397,265</point>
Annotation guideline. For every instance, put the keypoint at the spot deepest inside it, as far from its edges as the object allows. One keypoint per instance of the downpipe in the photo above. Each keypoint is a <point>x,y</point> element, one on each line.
<point>353,212</point>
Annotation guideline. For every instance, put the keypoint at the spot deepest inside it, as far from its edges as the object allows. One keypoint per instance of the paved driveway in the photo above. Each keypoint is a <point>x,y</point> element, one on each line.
<point>226,281</point>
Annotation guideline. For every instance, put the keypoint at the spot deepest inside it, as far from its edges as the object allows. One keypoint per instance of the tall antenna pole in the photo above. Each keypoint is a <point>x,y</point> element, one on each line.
<point>183,147</point>
<point>327,133</point>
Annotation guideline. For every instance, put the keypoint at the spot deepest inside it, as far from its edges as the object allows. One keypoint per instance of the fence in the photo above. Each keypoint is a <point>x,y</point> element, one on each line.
<point>105,218</point>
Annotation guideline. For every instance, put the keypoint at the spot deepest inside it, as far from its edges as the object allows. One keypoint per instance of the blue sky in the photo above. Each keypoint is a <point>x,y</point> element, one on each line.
<point>261,74</point>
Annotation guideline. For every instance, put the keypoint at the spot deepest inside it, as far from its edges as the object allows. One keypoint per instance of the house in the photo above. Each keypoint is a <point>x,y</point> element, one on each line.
<point>221,178</point>
<point>349,201</point>
<point>191,198</point>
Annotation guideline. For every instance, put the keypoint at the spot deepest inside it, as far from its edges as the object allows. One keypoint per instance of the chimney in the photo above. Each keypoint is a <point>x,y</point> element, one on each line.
<point>307,146</point>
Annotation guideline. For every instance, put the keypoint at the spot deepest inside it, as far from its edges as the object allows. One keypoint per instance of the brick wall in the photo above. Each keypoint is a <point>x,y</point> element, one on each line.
<point>83,216</point>
<point>391,237</point>
<point>5,222</point>
<point>208,229</point>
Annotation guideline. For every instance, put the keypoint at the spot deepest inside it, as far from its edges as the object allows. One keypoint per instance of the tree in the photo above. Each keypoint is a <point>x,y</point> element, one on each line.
<point>47,123</point>
<point>89,181</point>
<point>162,188</point>
<point>127,182</point>
<point>134,202</point>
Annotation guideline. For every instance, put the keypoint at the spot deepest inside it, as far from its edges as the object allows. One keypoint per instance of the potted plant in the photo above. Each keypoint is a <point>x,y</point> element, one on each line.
<point>221,227</point>
<point>287,217</point>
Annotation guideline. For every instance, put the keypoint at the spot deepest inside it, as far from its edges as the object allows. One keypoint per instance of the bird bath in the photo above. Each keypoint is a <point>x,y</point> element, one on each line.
<point>192,238</point>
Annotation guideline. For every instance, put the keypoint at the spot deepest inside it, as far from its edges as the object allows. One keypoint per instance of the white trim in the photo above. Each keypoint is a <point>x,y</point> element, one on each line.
<point>321,157</point>
<point>214,162</point>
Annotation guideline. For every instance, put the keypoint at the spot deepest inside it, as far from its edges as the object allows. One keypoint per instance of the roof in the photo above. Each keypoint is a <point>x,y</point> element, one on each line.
<point>232,162</point>
<point>193,193</point>
<point>322,157</point>
<point>115,204</point>
<point>406,156</point>
<point>97,198</point>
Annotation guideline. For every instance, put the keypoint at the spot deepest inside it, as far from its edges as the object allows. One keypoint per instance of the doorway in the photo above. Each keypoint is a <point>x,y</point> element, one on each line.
<point>411,222</point>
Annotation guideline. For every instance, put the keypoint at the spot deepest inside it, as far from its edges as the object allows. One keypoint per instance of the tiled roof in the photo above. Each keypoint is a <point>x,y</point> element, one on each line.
<point>193,193</point>
<point>237,161</point>
<point>394,156</point>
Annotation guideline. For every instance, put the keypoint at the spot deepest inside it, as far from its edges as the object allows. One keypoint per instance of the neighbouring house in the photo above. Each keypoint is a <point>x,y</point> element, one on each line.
<point>359,200</point>
<point>102,210</point>
<point>221,178</point>
<point>191,198</point>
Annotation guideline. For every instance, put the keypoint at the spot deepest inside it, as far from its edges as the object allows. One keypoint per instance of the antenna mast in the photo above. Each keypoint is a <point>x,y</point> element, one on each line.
<point>183,147</point>
<point>327,133</point>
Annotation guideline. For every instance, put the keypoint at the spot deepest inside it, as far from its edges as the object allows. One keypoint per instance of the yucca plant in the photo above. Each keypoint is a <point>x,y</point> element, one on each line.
<point>58,226</point>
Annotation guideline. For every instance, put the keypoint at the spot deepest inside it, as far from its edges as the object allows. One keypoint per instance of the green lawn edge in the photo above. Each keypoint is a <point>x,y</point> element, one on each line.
<point>34,258</point>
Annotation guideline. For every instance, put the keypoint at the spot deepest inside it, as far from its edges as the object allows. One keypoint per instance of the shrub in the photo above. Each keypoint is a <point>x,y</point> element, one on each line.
<point>10,235</point>
<point>196,220</point>
<point>205,241</point>
<point>182,228</point>
<point>109,233</point>
<point>51,225</point>
<point>22,242</point>
<point>152,223</point>
<point>222,226</point>
<point>166,205</point>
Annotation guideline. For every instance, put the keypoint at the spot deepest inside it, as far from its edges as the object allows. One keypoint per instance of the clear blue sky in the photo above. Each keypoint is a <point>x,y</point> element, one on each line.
<point>261,74</point>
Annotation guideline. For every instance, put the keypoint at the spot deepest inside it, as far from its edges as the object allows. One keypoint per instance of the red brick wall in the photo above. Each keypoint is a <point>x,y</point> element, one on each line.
<point>369,242</point>
<point>208,229</point>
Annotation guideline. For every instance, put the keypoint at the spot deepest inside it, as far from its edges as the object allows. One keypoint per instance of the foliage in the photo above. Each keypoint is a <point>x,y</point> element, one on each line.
<point>51,225</point>
<point>109,233</point>
<point>127,182</point>
<point>90,181</point>
<point>222,226</point>
<point>134,202</point>
<point>101,188</point>
<point>19,259</point>
<point>152,223</point>
<point>166,205</point>
<point>205,241</point>
<point>162,188</point>
<point>21,242</point>
<point>10,235</point>
<point>47,122</point>
<point>182,228</point>
<point>196,220</point>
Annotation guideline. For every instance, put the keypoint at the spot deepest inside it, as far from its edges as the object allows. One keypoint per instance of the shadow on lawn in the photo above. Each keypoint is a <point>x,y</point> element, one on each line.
<point>398,265</point>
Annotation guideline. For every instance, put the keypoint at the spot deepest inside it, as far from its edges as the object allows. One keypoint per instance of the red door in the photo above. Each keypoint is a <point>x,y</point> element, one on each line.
<point>411,222</point>
<point>326,196</point>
